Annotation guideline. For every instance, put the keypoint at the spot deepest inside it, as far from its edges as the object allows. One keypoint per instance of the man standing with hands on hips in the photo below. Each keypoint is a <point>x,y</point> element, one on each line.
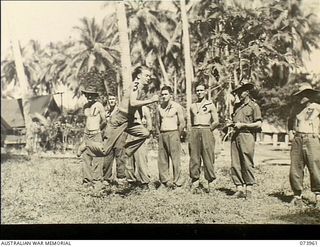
<point>247,120</point>
<point>204,119</point>
<point>304,132</point>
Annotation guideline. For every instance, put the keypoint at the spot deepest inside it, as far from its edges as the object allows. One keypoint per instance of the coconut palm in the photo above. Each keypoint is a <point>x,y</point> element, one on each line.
<point>93,50</point>
<point>149,36</point>
<point>31,58</point>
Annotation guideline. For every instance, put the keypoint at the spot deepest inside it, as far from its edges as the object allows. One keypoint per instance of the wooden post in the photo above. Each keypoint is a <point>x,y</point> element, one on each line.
<point>274,139</point>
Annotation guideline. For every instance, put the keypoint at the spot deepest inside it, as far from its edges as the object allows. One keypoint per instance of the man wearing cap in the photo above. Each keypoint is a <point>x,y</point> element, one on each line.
<point>204,119</point>
<point>246,119</point>
<point>304,132</point>
<point>123,120</point>
<point>171,123</point>
<point>115,154</point>
<point>95,118</point>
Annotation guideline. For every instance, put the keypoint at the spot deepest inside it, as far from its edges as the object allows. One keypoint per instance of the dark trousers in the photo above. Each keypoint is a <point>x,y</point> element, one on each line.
<point>305,151</point>
<point>119,122</point>
<point>242,152</point>
<point>92,167</point>
<point>201,145</point>
<point>115,154</point>
<point>169,147</point>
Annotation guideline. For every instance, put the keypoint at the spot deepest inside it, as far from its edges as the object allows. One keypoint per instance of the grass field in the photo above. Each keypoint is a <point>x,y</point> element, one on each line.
<point>49,191</point>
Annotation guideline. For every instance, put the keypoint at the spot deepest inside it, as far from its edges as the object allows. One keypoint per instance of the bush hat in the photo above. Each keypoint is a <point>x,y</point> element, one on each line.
<point>305,89</point>
<point>243,87</point>
<point>89,90</point>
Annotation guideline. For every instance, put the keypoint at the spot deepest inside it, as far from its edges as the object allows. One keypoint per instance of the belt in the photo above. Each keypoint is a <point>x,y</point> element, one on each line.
<point>201,125</point>
<point>300,134</point>
<point>166,131</point>
<point>92,132</point>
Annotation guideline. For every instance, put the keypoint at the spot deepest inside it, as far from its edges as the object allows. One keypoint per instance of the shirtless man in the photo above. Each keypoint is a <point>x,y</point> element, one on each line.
<point>171,123</point>
<point>95,118</point>
<point>123,120</point>
<point>204,119</point>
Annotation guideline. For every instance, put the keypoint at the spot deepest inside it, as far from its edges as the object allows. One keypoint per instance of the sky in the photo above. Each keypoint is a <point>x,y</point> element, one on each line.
<point>52,21</point>
<point>45,21</point>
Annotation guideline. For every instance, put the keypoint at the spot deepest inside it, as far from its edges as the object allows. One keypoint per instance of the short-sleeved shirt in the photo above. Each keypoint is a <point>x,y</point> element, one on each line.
<point>247,113</point>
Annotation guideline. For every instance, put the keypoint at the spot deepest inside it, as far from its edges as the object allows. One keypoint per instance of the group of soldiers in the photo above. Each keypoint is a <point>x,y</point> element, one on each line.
<point>121,133</point>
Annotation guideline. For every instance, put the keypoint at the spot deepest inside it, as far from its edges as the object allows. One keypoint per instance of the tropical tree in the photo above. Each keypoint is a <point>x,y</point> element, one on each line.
<point>31,59</point>
<point>94,50</point>
<point>233,42</point>
<point>150,37</point>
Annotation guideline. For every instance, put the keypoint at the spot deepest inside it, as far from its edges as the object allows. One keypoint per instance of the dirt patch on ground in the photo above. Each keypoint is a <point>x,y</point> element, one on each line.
<point>42,191</point>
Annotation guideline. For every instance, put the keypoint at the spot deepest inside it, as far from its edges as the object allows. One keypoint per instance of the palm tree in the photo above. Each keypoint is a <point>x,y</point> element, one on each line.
<point>20,74</point>
<point>94,50</point>
<point>188,63</point>
<point>124,44</point>
<point>149,36</point>
<point>31,59</point>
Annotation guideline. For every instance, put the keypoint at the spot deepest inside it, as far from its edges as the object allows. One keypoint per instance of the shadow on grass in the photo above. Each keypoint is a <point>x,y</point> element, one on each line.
<point>281,196</point>
<point>131,189</point>
<point>288,198</point>
<point>305,216</point>
<point>227,191</point>
<point>17,157</point>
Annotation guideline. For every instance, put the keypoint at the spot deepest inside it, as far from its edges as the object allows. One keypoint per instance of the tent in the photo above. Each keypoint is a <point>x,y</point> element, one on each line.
<point>12,111</point>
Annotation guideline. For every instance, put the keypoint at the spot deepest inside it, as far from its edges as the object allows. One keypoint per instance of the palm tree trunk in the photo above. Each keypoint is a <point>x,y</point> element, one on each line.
<point>163,70</point>
<point>175,86</point>
<point>25,92</point>
<point>124,45</point>
<point>236,81</point>
<point>240,65</point>
<point>187,59</point>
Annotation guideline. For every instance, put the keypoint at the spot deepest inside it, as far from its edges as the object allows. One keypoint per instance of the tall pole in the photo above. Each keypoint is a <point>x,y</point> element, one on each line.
<point>24,87</point>
<point>124,45</point>
<point>187,59</point>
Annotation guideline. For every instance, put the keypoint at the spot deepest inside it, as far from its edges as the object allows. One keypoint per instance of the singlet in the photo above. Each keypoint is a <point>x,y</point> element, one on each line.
<point>93,116</point>
<point>308,120</point>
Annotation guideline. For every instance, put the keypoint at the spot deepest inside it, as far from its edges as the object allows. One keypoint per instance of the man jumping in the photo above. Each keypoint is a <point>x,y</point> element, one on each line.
<point>123,120</point>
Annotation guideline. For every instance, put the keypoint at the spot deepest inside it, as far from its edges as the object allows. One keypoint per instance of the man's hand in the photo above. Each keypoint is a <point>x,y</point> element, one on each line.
<point>291,135</point>
<point>238,125</point>
<point>155,98</point>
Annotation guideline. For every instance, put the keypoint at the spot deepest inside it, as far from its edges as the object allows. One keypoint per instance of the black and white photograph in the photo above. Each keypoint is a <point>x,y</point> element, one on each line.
<point>142,113</point>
